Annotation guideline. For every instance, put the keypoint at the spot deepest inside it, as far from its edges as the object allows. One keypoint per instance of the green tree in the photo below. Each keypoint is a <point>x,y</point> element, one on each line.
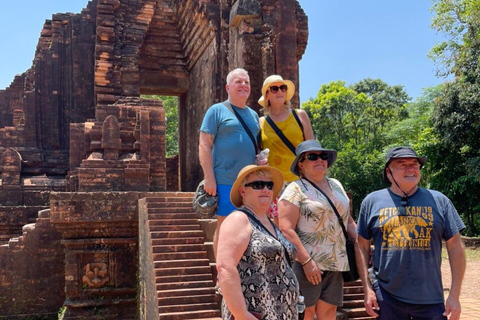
<point>459,21</point>
<point>388,107</point>
<point>170,103</point>
<point>355,121</point>
<point>455,156</point>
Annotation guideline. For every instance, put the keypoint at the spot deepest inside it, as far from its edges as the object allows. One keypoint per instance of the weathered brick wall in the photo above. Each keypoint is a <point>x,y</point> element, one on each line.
<point>77,123</point>
<point>99,230</point>
<point>32,271</point>
<point>39,105</point>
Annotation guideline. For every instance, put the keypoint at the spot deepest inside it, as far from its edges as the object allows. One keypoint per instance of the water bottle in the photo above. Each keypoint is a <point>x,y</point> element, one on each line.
<point>262,157</point>
<point>371,276</point>
<point>301,307</point>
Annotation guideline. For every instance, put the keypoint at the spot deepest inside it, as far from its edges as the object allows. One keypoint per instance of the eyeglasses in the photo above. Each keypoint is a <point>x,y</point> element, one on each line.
<point>402,211</point>
<point>259,185</point>
<point>315,156</point>
<point>274,89</point>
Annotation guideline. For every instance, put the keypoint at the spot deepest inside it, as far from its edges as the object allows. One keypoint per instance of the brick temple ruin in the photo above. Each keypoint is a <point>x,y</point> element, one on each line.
<point>94,219</point>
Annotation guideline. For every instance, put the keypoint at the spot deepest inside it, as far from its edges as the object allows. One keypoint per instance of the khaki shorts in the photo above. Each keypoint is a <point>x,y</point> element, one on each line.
<point>330,290</point>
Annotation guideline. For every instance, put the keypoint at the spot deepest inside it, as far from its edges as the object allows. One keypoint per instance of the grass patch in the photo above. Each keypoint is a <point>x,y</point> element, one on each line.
<point>470,253</point>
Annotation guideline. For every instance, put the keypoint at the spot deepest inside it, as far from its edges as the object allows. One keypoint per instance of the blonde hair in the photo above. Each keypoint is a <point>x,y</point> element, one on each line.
<point>261,173</point>
<point>267,108</point>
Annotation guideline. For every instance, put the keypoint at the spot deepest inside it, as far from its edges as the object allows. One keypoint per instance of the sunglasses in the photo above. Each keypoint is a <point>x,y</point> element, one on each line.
<point>274,89</point>
<point>402,211</point>
<point>316,156</point>
<point>259,185</point>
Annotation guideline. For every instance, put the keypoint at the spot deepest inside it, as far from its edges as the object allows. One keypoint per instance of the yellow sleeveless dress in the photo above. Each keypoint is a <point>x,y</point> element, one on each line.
<point>280,155</point>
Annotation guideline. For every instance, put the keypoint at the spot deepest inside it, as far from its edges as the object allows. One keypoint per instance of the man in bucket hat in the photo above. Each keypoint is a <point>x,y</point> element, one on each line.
<point>407,224</point>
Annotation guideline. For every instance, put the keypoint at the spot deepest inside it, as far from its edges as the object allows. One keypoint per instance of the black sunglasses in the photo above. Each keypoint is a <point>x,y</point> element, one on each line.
<point>402,211</point>
<point>259,185</point>
<point>315,156</point>
<point>274,89</point>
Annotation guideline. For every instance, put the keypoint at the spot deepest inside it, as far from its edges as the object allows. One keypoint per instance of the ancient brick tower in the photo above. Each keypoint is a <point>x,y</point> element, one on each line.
<point>79,147</point>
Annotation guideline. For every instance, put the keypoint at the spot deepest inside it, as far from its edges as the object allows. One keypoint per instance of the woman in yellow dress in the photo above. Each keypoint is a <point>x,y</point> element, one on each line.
<point>280,118</point>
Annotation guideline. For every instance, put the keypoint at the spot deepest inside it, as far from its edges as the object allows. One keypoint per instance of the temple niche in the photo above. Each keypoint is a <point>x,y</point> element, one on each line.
<point>81,150</point>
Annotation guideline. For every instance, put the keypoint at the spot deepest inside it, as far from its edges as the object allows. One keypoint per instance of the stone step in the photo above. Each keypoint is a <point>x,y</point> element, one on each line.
<point>352,290</point>
<point>188,307</point>
<point>185,285</point>
<point>183,271</point>
<point>172,215</point>
<point>180,255</point>
<point>182,222</point>
<point>170,210</point>
<point>177,234</point>
<point>181,263</point>
<point>168,227</point>
<point>171,198</point>
<point>206,298</point>
<point>178,248</point>
<point>183,277</point>
<point>162,204</point>
<point>173,241</point>
<point>188,315</point>
<point>353,296</point>
<point>186,292</point>
<point>352,303</point>
<point>354,313</point>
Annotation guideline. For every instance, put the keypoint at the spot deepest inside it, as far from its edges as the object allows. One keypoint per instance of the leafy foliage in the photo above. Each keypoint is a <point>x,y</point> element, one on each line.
<point>455,156</point>
<point>170,103</point>
<point>356,122</point>
<point>459,20</point>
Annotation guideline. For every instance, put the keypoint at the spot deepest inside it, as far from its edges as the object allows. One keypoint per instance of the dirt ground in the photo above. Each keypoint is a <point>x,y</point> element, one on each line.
<point>470,287</point>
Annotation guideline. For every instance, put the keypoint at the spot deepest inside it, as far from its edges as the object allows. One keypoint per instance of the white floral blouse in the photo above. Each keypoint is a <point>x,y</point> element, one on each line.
<point>318,226</point>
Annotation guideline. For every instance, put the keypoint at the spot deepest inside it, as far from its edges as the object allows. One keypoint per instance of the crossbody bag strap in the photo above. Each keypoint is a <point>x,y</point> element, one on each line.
<point>295,115</point>
<point>280,134</point>
<point>244,125</point>
<point>254,218</point>
<point>340,220</point>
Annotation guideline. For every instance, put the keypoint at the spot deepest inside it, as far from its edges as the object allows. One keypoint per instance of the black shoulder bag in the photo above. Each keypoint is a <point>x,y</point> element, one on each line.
<point>280,133</point>
<point>351,275</point>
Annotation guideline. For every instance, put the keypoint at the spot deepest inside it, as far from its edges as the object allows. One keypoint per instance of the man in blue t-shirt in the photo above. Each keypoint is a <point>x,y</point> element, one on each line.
<point>225,147</point>
<point>407,224</point>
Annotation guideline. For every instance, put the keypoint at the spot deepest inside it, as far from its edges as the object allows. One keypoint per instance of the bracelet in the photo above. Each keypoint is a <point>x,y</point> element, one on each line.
<point>308,260</point>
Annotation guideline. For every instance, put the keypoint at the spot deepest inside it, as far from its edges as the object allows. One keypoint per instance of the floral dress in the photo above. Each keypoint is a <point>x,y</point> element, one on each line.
<point>268,282</point>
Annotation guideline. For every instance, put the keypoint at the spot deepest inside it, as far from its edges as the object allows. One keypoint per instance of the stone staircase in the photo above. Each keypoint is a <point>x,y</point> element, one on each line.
<point>353,301</point>
<point>183,274</point>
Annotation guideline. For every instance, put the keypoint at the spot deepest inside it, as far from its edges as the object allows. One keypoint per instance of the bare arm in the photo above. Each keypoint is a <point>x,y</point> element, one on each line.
<point>233,240</point>
<point>362,256</point>
<point>351,226</point>
<point>288,215</point>
<point>456,257</point>
<point>205,147</point>
<point>307,126</point>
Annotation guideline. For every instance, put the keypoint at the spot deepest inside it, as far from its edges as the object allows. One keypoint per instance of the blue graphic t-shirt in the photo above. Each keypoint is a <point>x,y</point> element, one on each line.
<point>232,147</point>
<point>408,241</point>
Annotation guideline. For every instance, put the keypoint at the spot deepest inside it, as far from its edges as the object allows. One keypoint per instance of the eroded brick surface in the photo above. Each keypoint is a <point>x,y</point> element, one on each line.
<point>74,124</point>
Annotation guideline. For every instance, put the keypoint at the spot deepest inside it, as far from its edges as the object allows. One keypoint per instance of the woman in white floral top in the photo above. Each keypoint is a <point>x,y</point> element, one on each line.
<point>310,223</point>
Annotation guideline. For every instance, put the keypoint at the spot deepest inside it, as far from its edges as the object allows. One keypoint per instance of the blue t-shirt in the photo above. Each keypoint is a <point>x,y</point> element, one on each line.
<point>408,246</point>
<point>232,147</point>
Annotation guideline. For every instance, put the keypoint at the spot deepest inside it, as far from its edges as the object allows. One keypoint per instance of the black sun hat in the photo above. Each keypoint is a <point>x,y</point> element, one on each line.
<point>311,145</point>
<point>398,153</point>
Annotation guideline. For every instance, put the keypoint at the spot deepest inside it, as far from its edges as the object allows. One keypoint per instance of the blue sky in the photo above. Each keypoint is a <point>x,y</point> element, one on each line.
<point>349,41</point>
